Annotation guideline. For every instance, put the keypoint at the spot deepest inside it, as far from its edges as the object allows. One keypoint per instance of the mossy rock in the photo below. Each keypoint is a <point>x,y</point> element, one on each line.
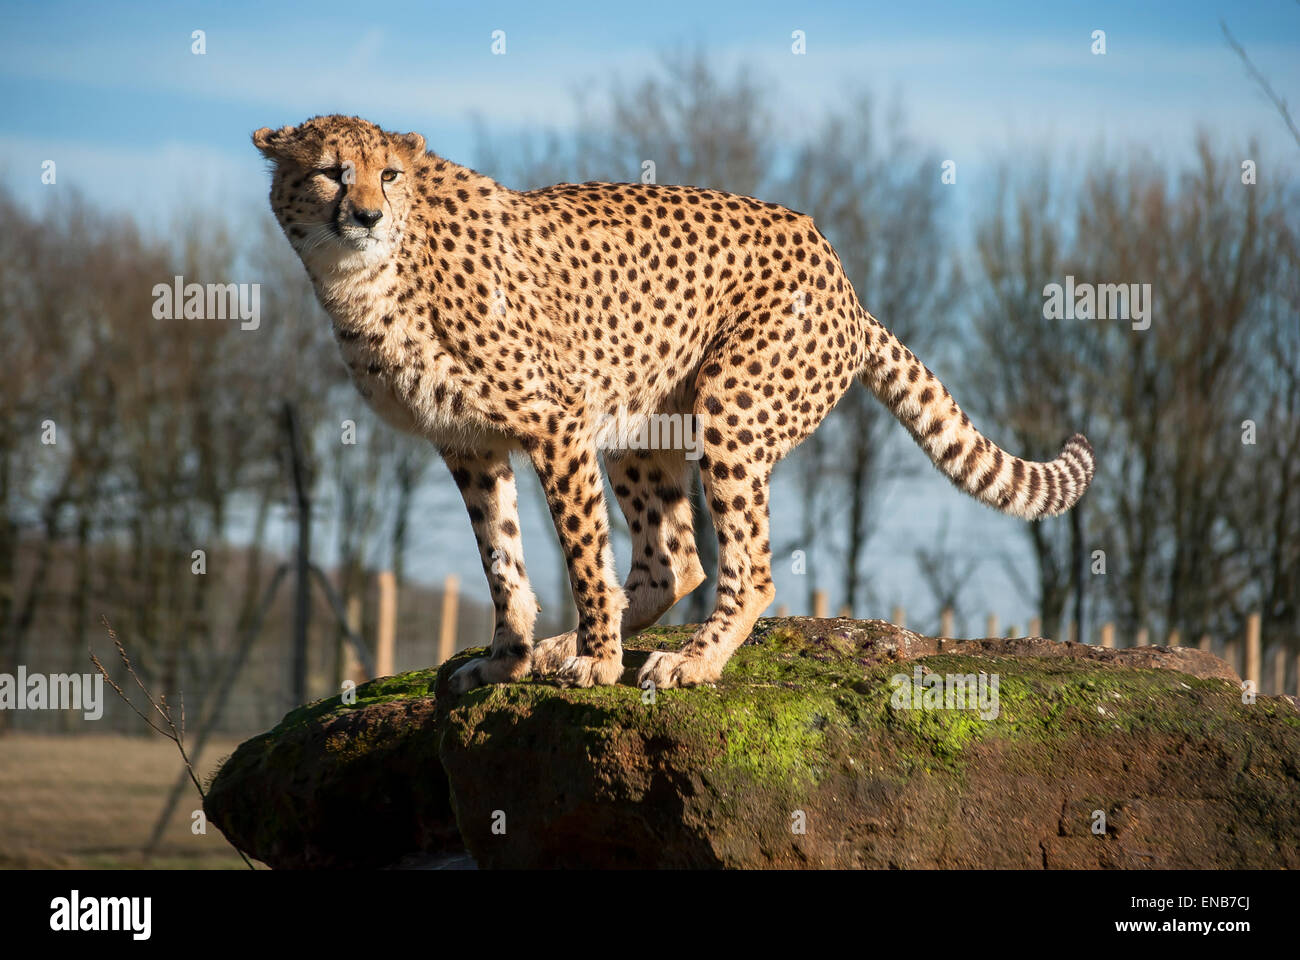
<point>337,785</point>
<point>801,756</point>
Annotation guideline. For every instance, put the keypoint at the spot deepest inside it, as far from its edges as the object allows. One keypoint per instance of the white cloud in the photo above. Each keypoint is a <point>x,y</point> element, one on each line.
<point>156,183</point>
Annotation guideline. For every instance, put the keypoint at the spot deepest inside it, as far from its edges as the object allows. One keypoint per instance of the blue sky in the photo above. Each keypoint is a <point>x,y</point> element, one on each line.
<point>112,91</point>
<point>135,120</point>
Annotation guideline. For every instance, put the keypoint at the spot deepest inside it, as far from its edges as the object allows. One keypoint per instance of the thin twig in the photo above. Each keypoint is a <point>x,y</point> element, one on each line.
<point>1278,102</point>
<point>174,733</point>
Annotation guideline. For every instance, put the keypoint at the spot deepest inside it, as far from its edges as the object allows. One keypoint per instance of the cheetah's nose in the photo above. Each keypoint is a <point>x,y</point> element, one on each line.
<point>367,218</point>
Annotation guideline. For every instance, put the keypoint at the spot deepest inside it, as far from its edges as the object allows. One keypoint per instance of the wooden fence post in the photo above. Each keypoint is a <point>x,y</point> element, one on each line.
<point>991,625</point>
<point>364,656</point>
<point>782,610</point>
<point>899,617</point>
<point>1205,644</point>
<point>352,668</point>
<point>1175,639</point>
<point>447,632</point>
<point>1279,670</point>
<point>1108,636</point>
<point>946,622</point>
<point>386,637</point>
<point>1253,658</point>
<point>1230,656</point>
<point>1143,637</point>
<point>1035,627</point>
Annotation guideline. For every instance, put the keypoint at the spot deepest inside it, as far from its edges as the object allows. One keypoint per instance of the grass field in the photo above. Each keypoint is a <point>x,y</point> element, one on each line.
<point>92,801</point>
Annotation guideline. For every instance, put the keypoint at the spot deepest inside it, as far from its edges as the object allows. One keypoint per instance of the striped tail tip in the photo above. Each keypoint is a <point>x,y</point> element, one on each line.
<point>1075,467</point>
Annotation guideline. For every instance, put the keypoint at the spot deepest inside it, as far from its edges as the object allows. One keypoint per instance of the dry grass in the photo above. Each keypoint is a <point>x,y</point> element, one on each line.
<point>90,801</point>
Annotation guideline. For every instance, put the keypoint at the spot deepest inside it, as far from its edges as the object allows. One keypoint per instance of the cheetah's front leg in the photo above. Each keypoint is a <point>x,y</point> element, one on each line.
<point>567,467</point>
<point>487,484</point>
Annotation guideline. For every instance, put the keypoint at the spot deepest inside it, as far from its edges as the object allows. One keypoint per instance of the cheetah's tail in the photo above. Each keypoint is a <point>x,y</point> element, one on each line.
<point>974,463</point>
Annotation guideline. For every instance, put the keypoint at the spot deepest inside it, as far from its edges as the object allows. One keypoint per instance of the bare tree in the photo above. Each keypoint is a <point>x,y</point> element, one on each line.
<point>1019,375</point>
<point>878,199</point>
<point>946,577</point>
<point>1166,395</point>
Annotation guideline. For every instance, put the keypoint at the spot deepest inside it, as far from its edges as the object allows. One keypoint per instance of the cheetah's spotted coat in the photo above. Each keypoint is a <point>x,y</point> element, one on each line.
<point>489,320</point>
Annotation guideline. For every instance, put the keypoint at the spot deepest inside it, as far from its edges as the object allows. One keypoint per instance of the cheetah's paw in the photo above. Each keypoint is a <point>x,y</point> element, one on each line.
<point>665,670</point>
<point>486,670</point>
<point>589,672</point>
<point>550,654</point>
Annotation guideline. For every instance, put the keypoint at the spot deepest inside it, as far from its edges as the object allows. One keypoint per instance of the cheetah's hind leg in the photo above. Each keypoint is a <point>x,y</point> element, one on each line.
<point>652,487</point>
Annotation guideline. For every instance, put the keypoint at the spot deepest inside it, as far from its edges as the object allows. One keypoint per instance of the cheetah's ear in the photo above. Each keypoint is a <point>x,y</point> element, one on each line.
<point>272,143</point>
<point>414,141</point>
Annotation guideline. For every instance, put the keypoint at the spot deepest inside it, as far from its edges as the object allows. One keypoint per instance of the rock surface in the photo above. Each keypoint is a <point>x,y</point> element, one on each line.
<point>341,786</point>
<point>800,756</point>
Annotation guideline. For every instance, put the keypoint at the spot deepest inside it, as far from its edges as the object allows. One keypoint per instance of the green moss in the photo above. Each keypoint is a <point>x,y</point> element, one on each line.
<point>403,686</point>
<point>769,734</point>
<point>784,704</point>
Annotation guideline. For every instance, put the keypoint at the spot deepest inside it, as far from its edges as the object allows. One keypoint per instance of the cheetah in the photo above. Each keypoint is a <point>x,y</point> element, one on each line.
<point>492,321</point>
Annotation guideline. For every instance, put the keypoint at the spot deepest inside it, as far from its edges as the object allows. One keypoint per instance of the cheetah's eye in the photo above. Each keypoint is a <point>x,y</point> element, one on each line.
<point>331,173</point>
<point>390,175</point>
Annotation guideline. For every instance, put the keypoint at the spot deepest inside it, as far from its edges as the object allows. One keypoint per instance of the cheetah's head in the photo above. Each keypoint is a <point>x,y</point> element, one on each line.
<point>341,188</point>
